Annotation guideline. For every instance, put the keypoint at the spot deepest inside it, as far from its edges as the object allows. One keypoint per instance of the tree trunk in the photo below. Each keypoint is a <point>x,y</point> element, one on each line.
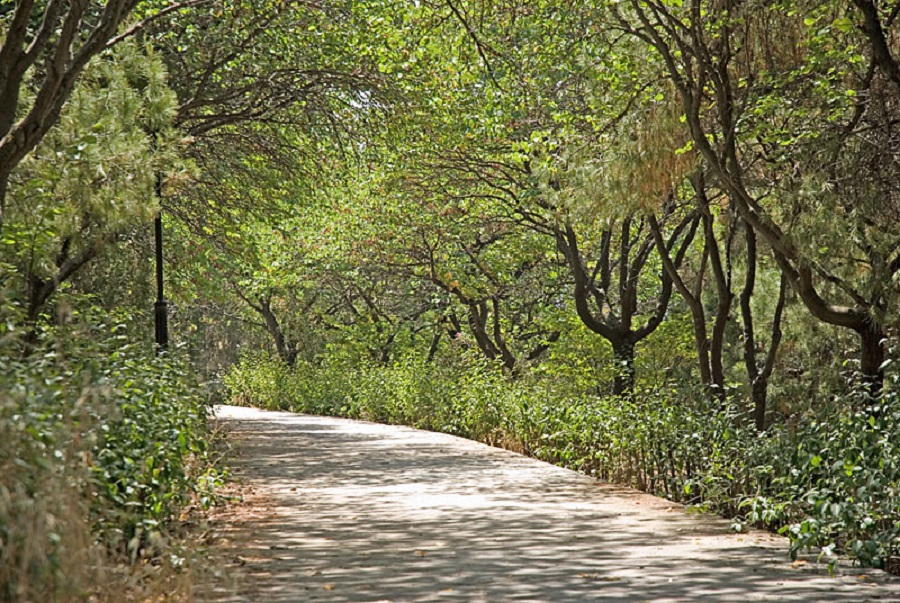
<point>872,358</point>
<point>757,375</point>
<point>708,80</point>
<point>287,353</point>
<point>385,349</point>
<point>724,298</point>
<point>721,273</point>
<point>759,393</point>
<point>878,41</point>
<point>623,358</point>
<point>39,291</point>
<point>509,359</point>
<point>435,344</point>
<point>4,187</point>
<point>691,298</point>
<point>478,324</point>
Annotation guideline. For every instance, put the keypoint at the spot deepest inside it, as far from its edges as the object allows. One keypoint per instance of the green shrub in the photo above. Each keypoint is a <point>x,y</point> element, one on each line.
<point>835,482</point>
<point>830,482</point>
<point>100,441</point>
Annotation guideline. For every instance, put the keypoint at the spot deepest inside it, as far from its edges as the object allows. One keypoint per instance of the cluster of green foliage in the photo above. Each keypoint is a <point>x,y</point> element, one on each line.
<point>646,239</point>
<point>829,482</point>
<point>101,443</point>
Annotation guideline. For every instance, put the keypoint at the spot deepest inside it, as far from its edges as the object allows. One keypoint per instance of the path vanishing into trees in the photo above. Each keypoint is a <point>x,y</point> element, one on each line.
<point>347,511</point>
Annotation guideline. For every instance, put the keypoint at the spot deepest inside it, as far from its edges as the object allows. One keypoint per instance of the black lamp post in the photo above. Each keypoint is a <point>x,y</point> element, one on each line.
<point>161,307</point>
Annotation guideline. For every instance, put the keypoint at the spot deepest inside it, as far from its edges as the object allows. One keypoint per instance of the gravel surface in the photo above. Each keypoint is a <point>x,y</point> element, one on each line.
<point>346,511</point>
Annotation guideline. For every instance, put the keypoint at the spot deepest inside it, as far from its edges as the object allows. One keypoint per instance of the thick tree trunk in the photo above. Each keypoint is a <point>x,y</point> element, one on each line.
<point>698,314</point>
<point>872,358</point>
<point>702,343</point>
<point>878,41</point>
<point>490,343</point>
<point>478,324</point>
<point>509,359</point>
<point>623,357</point>
<point>760,383</point>
<point>759,393</point>
<point>717,347</point>
<point>721,273</point>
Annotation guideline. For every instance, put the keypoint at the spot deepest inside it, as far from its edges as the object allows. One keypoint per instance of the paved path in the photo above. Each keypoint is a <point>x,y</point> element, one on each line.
<point>346,511</point>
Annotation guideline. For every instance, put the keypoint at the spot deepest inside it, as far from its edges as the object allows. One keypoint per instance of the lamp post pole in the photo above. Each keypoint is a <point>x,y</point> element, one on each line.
<point>161,307</point>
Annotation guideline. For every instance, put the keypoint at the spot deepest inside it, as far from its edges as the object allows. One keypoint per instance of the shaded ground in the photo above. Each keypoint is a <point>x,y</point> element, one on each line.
<point>346,511</point>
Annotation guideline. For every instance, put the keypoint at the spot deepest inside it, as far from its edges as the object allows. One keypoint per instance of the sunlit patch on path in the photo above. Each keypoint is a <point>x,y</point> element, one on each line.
<point>346,511</point>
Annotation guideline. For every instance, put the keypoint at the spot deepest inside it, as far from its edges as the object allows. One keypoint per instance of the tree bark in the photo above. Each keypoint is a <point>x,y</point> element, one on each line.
<point>287,354</point>
<point>724,297</point>
<point>435,344</point>
<point>478,323</point>
<point>4,187</point>
<point>693,301</point>
<point>623,357</point>
<point>878,41</point>
<point>872,357</point>
<point>759,375</point>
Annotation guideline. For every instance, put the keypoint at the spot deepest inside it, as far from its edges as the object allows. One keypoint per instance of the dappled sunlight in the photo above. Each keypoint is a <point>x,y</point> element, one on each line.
<point>364,512</point>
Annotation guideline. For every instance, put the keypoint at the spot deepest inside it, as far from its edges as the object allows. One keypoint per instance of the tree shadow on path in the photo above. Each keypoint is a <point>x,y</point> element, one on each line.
<point>359,512</point>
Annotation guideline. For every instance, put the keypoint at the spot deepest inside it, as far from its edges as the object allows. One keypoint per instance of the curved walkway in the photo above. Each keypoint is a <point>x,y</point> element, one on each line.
<point>347,511</point>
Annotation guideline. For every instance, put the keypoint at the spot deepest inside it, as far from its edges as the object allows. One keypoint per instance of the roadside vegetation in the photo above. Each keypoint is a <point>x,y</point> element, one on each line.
<point>825,479</point>
<point>103,455</point>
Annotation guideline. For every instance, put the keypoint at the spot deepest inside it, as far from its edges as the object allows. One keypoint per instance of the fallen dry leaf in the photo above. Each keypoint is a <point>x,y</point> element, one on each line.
<point>328,586</point>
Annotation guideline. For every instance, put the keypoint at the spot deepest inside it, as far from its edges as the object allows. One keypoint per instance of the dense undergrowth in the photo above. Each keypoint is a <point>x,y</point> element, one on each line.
<point>829,481</point>
<point>103,447</point>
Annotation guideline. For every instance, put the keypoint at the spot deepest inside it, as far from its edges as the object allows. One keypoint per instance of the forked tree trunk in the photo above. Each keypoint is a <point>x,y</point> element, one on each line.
<point>757,375</point>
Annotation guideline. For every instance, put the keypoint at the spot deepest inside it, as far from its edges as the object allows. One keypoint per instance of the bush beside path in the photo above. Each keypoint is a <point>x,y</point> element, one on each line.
<point>342,511</point>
